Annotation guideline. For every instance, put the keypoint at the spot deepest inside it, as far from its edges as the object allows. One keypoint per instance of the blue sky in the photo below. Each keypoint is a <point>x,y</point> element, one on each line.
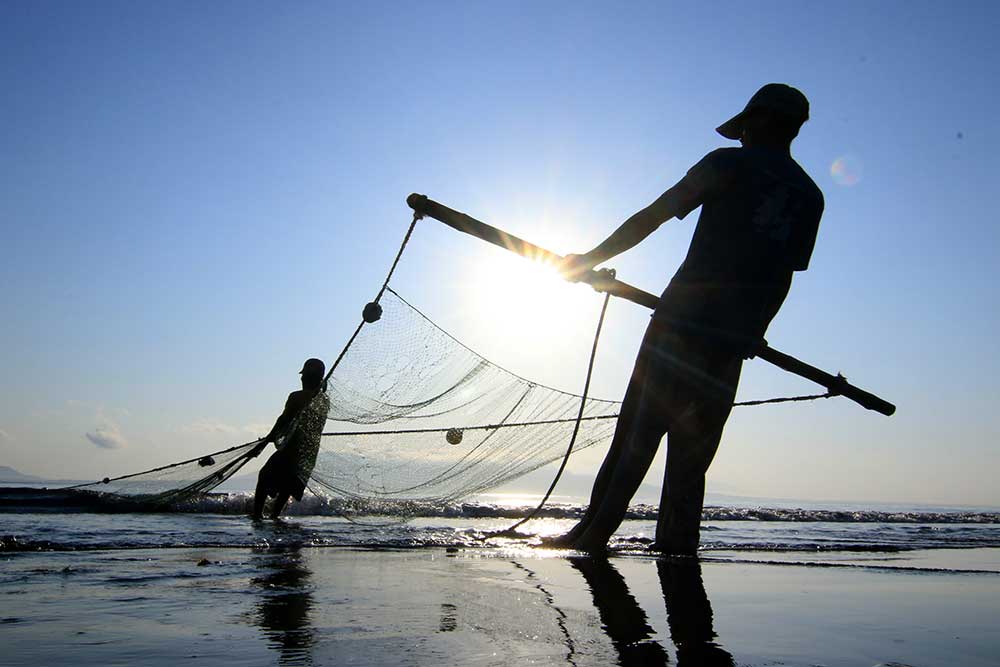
<point>194,198</point>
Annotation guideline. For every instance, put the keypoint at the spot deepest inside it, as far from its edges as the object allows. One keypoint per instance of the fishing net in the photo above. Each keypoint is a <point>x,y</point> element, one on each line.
<point>175,483</point>
<point>416,418</point>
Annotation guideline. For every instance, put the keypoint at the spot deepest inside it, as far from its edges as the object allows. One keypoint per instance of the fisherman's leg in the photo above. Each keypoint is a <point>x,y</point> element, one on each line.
<point>636,451</point>
<point>691,446</point>
<point>626,422</point>
<point>683,494</point>
<point>259,498</point>
<point>279,504</point>
<point>623,431</point>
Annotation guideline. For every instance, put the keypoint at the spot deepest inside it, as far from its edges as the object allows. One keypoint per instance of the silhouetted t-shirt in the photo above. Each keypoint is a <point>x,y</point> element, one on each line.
<point>759,217</point>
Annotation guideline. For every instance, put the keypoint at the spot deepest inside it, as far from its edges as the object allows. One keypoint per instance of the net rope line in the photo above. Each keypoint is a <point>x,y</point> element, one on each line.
<point>166,467</point>
<point>465,457</point>
<point>385,286</point>
<point>483,427</point>
<point>234,465</point>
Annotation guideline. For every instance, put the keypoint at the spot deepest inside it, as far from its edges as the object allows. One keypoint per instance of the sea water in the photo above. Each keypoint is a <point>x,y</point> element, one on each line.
<point>778,583</point>
<point>779,531</point>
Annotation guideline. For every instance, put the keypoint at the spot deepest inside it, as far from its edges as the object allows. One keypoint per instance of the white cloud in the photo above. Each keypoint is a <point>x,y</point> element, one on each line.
<point>257,429</point>
<point>5,436</point>
<point>210,426</point>
<point>217,426</point>
<point>107,437</point>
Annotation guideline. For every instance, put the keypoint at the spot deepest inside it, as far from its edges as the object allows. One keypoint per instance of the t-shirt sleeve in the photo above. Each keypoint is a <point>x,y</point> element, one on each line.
<point>703,181</point>
<point>804,237</point>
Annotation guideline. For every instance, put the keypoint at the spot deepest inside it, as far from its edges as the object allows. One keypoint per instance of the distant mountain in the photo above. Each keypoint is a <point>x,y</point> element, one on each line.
<point>8,474</point>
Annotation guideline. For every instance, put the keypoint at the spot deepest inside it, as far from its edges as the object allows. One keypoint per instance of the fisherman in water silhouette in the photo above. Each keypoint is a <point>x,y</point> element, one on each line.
<point>760,212</point>
<point>296,434</point>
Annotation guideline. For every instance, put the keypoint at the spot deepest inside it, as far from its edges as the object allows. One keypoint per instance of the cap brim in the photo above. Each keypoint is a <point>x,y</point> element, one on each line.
<point>732,128</point>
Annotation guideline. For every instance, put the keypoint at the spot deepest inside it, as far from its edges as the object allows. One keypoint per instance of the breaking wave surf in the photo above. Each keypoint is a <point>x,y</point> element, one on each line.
<point>28,499</point>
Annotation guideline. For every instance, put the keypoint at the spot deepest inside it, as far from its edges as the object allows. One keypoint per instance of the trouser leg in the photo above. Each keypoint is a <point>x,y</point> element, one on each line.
<point>628,420</point>
<point>259,498</point>
<point>638,449</point>
<point>691,446</point>
<point>650,405</point>
<point>279,504</point>
<point>683,493</point>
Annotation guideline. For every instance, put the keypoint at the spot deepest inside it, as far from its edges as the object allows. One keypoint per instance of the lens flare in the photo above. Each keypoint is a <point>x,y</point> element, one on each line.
<point>846,170</point>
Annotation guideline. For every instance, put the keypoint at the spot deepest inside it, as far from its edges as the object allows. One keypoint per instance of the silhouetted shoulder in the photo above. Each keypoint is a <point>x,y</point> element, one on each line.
<point>297,400</point>
<point>710,177</point>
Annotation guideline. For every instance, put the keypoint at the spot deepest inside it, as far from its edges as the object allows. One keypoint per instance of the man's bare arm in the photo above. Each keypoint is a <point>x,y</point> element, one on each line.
<point>630,233</point>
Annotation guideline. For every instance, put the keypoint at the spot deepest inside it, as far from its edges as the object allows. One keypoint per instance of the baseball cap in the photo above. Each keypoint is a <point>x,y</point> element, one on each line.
<point>777,97</point>
<point>313,367</point>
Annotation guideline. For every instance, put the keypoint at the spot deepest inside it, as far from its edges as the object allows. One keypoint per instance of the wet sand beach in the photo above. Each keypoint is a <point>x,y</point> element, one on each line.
<point>301,605</point>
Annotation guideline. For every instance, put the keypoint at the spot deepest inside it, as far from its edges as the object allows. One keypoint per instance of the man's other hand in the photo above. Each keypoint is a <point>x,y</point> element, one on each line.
<point>574,267</point>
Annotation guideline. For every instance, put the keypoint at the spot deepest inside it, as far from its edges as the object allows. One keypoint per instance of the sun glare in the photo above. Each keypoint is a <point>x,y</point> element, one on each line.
<point>531,314</point>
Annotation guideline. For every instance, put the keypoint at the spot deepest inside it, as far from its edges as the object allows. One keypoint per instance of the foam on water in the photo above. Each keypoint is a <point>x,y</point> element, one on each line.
<point>29,499</point>
<point>759,541</point>
<point>33,520</point>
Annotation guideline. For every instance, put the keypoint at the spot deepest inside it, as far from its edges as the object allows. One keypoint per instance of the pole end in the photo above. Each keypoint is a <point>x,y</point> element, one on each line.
<point>417,202</point>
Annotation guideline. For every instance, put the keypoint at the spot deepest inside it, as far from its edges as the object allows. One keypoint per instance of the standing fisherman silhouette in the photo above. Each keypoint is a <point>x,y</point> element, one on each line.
<point>758,223</point>
<point>296,434</point>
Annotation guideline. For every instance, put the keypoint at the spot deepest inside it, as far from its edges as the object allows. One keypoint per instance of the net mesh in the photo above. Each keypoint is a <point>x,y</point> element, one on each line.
<point>175,483</point>
<point>415,418</point>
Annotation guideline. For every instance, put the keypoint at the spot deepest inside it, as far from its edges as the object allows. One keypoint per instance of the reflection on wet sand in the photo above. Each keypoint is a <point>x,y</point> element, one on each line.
<point>689,615</point>
<point>285,606</point>
<point>283,610</point>
<point>623,619</point>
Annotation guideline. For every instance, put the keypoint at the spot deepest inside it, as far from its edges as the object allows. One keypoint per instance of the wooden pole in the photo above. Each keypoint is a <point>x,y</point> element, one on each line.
<point>603,282</point>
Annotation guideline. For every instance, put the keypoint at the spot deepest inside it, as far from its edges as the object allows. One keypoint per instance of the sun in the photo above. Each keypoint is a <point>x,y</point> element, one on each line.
<point>528,316</point>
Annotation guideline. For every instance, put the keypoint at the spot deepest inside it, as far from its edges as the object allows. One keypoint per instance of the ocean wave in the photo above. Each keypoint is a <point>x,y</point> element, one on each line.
<point>56,500</point>
<point>279,538</point>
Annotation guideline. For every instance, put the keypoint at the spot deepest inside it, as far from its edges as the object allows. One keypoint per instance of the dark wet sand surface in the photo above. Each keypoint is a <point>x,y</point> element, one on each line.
<point>336,606</point>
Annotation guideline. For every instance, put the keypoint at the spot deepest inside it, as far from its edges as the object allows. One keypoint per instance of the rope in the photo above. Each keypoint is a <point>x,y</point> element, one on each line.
<point>576,428</point>
<point>545,422</point>
<point>385,285</point>
<point>406,239</point>
<point>484,427</point>
<point>107,480</point>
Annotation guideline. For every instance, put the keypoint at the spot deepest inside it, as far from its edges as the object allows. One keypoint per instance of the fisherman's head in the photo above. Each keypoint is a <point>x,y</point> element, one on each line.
<point>313,371</point>
<point>772,117</point>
